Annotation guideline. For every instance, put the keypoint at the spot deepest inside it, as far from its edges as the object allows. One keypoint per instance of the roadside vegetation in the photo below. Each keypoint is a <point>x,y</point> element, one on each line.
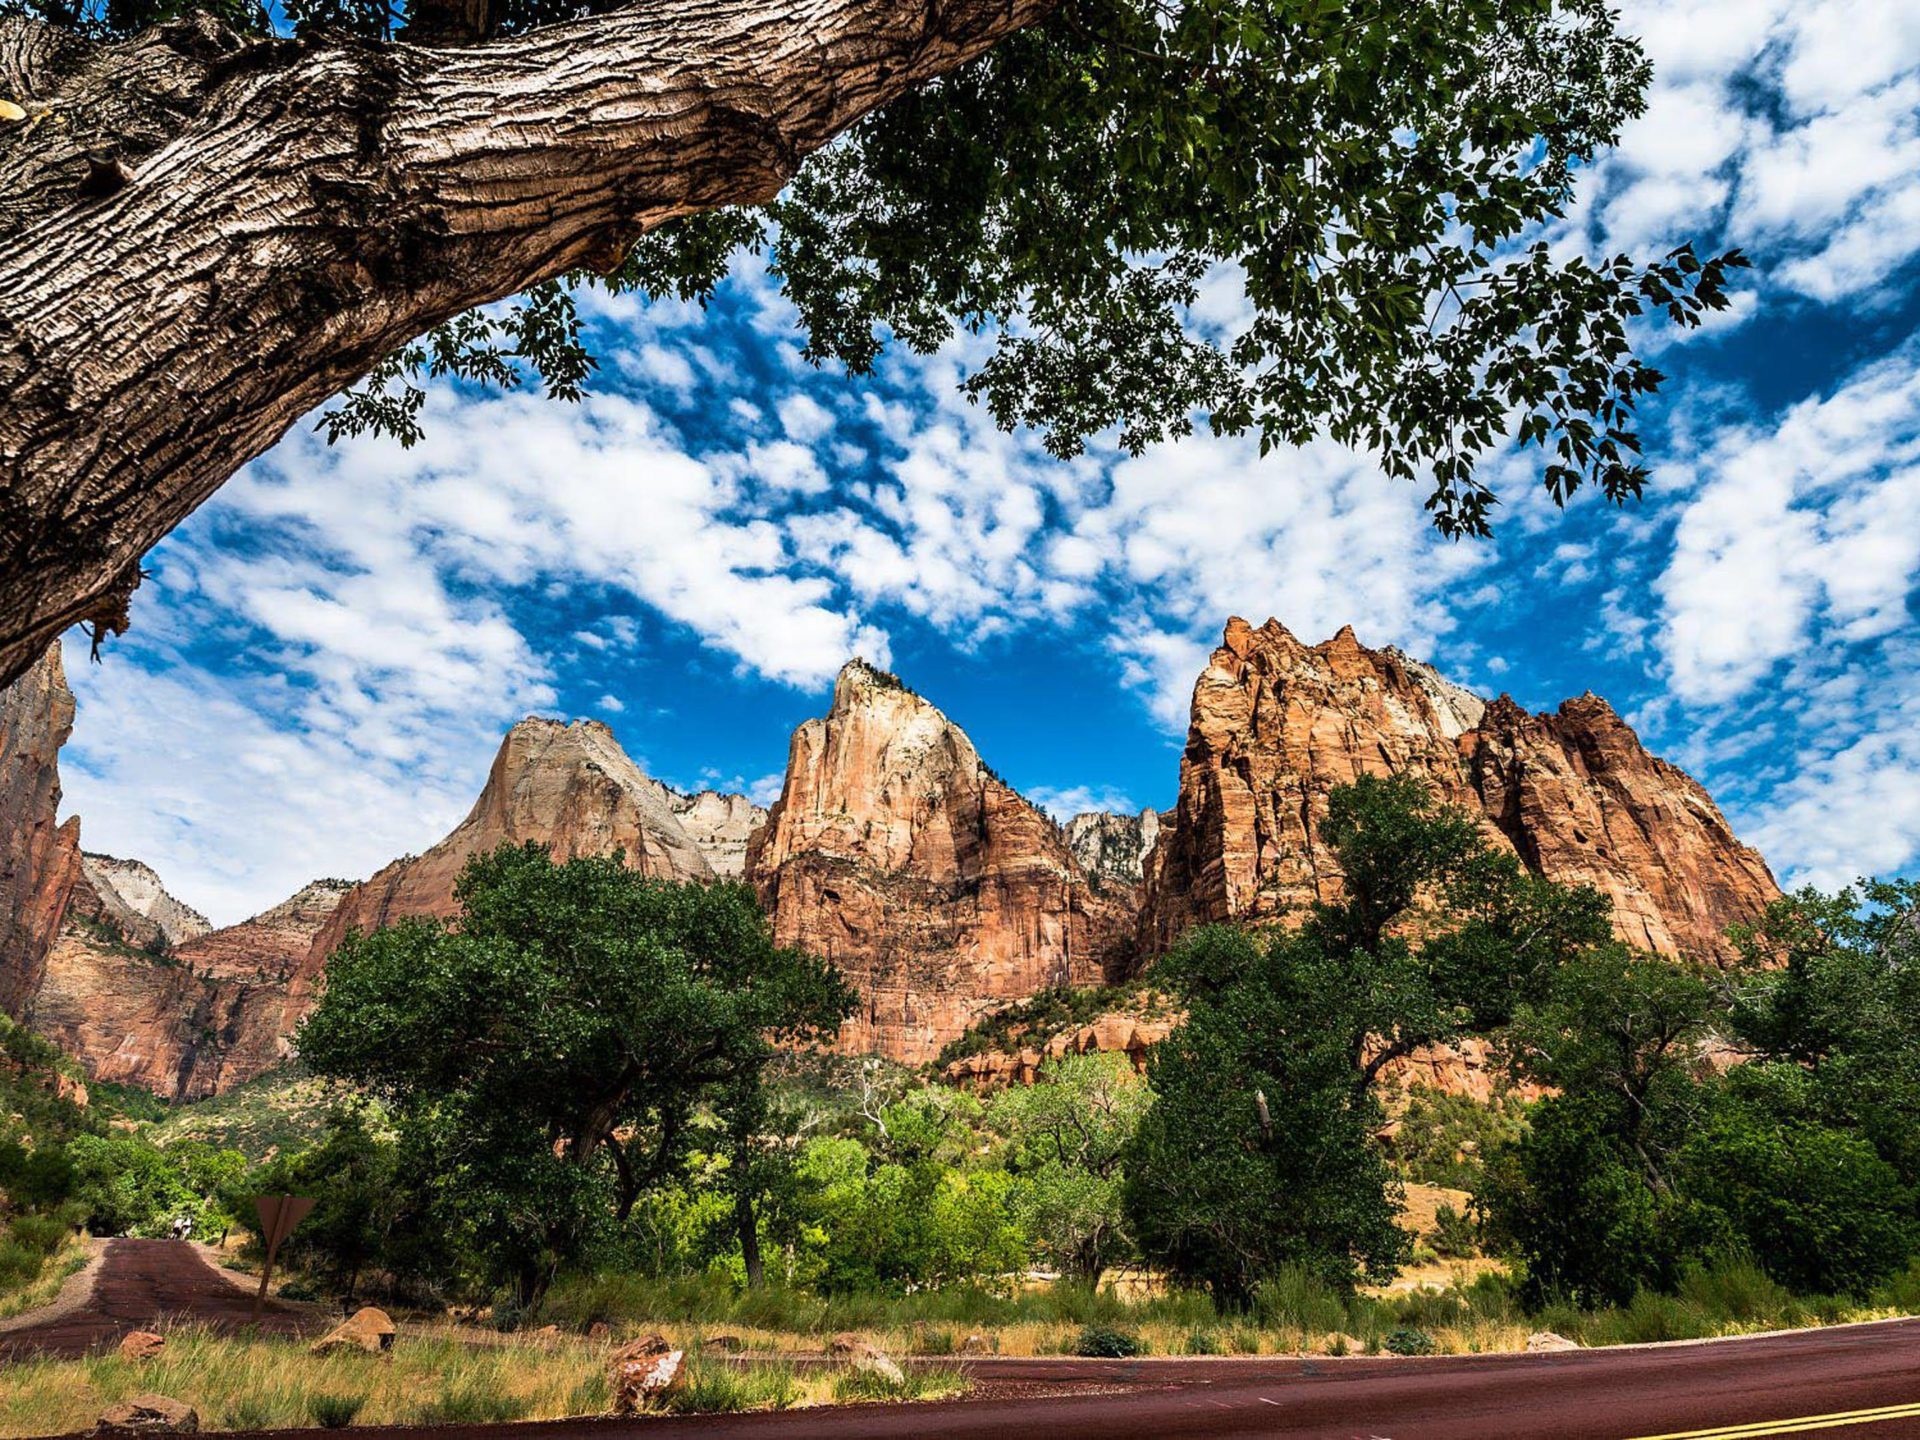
<point>582,1108</point>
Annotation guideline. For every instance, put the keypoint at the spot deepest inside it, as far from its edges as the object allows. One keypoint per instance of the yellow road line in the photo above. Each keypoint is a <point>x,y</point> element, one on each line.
<point>1796,1424</point>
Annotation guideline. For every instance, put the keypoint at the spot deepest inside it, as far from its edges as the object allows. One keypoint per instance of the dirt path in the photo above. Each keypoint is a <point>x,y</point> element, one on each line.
<point>134,1285</point>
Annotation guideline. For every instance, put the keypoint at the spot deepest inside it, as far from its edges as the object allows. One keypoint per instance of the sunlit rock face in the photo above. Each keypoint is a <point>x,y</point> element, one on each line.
<point>1277,724</point>
<point>940,892</point>
<point>39,858</point>
<point>183,1020</point>
<point>1111,848</point>
<point>719,825</point>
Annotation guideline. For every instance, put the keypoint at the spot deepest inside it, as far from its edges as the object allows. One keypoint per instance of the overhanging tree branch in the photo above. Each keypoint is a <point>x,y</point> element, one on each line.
<point>298,209</point>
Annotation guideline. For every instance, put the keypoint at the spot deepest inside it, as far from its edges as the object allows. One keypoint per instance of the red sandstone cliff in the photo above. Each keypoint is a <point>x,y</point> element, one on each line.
<point>1277,724</point>
<point>39,857</point>
<point>568,787</point>
<point>939,891</point>
<point>186,1024</point>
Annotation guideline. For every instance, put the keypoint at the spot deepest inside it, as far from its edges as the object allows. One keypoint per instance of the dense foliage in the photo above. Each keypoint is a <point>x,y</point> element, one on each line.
<point>1651,1158</point>
<point>1281,217</point>
<point>1260,1152</point>
<point>550,1054</point>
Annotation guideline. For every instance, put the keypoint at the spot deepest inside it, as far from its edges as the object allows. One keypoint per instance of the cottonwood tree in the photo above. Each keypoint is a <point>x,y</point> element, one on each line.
<point>214,220</point>
<point>1260,1151</point>
<point>559,1045</point>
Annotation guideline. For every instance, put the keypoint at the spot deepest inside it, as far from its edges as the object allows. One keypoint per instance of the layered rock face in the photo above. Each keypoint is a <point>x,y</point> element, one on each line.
<point>39,857</point>
<point>719,825</point>
<point>939,891</point>
<point>569,787</point>
<point>1277,724</point>
<point>1111,848</point>
<point>211,1014</point>
<point>129,896</point>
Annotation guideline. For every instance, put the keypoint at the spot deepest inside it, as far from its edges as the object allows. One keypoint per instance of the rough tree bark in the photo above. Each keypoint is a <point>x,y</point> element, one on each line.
<point>203,236</point>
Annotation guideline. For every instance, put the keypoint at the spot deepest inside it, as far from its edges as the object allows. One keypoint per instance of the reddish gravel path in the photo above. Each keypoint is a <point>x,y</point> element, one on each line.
<point>138,1283</point>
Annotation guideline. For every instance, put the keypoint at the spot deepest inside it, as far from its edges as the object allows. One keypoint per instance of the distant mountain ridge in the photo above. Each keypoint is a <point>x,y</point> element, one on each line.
<point>894,850</point>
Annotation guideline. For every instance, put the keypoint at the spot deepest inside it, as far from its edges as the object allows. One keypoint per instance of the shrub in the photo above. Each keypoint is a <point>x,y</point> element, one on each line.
<point>334,1412</point>
<point>1407,1341</point>
<point>1454,1235</point>
<point>1201,1342</point>
<point>1296,1298</point>
<point>1103,1342</point>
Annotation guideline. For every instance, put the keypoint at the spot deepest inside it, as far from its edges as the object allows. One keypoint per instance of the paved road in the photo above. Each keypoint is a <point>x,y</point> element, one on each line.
<point>1860,1381</point>
<point>1814,1383</point>
<point>139,1282</point>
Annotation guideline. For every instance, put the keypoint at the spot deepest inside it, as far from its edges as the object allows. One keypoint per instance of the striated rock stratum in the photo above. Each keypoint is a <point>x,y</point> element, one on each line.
<point>1277,724</point>
<point>938,890</point>
<point>895,851</point>
<point>184,1021</point>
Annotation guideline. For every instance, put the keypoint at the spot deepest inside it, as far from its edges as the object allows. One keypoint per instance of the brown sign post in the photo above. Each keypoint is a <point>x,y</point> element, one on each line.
<point>278,1215</point>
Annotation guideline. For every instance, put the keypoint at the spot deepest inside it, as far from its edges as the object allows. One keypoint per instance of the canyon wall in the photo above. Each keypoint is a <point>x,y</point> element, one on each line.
<point>940,892</point>
<point>1277,724</point>
<point>39,857</point>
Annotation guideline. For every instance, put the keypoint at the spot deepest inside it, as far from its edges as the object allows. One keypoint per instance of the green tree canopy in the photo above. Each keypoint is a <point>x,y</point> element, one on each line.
<point>555,1044</point>
<point>1366,181</point>
<point>1259,1152</point>
<point>1067,1136</point>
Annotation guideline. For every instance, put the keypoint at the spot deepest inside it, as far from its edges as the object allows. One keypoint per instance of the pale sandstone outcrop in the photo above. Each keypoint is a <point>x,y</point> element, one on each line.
<point>131,898</point>
<point>719,824</point>
<point>1112,848</point>
<point>938,890</point>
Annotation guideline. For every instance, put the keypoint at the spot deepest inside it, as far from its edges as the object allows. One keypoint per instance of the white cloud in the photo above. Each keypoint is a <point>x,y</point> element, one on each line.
<point>1065,802</point>
<point>1800,530</point>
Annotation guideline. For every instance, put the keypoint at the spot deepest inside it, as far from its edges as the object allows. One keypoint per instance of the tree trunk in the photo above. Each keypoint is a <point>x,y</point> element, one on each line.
<point>206,235</point>
<point>749,1228</point>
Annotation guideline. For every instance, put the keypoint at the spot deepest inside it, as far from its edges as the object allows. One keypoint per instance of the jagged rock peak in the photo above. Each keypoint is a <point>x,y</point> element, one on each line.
<point>39,856</point>
<point>940,892</point>
<point>1277,724</point>
<point>132,897</point>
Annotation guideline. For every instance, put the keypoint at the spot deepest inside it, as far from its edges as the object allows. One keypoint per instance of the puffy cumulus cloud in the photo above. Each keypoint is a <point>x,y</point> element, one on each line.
<point>513,490</point>
<point>1063,803</point>
<point>199,774</point>
<point>1798,534</point>
<point>1791,127</point>
<point>1784,626</point>
<point>1195,532</point>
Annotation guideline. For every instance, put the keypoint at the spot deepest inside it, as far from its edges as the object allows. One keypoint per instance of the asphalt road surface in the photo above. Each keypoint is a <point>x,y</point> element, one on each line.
<point>1859,1381</point>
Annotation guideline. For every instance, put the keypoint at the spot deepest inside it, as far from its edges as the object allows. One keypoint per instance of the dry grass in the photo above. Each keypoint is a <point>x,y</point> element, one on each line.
<point>70,1257</point>
<point>271,1384</point>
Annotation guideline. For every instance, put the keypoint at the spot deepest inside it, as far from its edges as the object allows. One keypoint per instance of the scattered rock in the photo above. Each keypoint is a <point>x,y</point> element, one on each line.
<point>862,1354</point>
<point>878,1362</point>
<point>725,1344</point>
<point>142,1345</point>
<point>976,1345</point>
<point>148,1415</point>
<point>1543,1340</point>
<point>599,1330</point>
<point>646,1345</point>
<point>366,1329</point>
<point>640,1378</point>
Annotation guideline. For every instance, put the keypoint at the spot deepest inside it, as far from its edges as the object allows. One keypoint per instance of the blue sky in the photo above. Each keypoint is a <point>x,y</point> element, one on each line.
<point>323,663</point>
